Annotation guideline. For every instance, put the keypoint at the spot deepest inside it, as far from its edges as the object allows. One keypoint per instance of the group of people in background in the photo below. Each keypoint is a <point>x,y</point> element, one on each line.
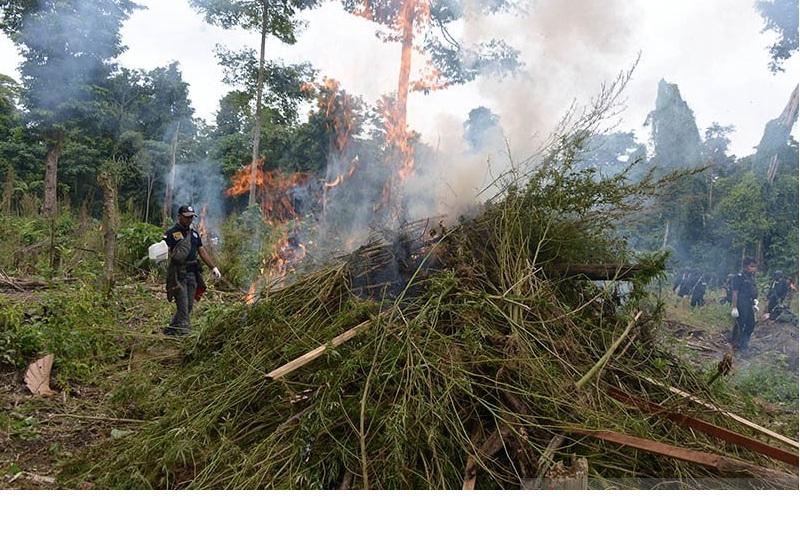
<point>691,283</point>
<point>741,293</point>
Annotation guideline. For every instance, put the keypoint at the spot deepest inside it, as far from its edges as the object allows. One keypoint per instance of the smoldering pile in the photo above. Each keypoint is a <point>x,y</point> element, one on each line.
<point>445,358</point>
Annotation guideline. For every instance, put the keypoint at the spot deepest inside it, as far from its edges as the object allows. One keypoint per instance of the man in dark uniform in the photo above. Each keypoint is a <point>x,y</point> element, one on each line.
<point>744,305</point>
<point>777,293</point>
<point>726,285</point>
<point>681,285</point>
<point>184,272</point>
<point>698,292</point>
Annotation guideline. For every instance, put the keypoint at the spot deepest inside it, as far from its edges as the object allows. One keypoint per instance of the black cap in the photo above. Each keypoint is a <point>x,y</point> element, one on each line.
<point>186,211</point>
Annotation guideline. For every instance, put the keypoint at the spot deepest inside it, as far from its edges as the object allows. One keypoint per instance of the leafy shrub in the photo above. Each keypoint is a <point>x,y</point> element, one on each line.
<point>133,242</point>
<point>20,338</point>
<point>78,328</point>
<point>245,244</point>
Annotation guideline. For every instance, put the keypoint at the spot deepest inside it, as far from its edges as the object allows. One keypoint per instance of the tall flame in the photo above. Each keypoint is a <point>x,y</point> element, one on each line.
<point>274,188</point>
<point>278,210</point>
<point>202,224</point>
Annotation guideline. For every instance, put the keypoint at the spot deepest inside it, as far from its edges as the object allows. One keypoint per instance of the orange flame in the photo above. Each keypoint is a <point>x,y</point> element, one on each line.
<point>274,188</point>
<point>202,225</point>
<point>339,109</point>
<point>250,297</point>
<point>286,254</point>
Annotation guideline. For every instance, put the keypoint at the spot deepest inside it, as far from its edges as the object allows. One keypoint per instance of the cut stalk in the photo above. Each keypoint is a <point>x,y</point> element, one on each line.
<point>603,360</point>
<point>306,358</point>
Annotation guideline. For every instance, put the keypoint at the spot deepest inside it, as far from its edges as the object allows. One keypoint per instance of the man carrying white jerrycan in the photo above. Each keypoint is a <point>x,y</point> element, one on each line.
<point>183,246</point>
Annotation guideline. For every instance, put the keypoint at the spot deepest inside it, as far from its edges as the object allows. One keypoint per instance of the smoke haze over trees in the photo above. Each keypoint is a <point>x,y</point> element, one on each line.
<point>75,109</point>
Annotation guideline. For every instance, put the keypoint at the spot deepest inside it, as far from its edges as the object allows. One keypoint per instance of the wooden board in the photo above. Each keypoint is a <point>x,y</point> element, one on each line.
<point>744,421</point>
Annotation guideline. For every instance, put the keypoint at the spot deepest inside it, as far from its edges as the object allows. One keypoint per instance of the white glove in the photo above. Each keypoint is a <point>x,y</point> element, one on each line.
<point>217,274</point>
<point>735,313</point>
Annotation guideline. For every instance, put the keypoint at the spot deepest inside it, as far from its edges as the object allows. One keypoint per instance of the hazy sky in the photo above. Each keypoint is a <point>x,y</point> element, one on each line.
<point>712,49</point>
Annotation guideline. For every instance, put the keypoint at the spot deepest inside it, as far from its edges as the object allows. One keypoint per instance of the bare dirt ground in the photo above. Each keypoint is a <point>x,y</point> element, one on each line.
<point>768,372</point>
<point>771,342</point>
<point>37,433</point>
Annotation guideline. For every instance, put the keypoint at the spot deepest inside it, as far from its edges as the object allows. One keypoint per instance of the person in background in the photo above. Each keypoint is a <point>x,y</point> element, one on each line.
<point>726,286</point>
<point>698,292</point>
<point>681,284</point>
<point>184,272</point>
<point>776,294</point>
<point>744,305</point>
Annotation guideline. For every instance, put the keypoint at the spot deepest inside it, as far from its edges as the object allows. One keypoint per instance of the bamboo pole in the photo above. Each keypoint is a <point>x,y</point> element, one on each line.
<point>306,358</point>
<point>603,360</point>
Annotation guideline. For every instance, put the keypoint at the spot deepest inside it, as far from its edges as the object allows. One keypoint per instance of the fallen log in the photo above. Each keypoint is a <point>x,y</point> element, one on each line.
<point>713,461</point>
<point>306,358</point>
<point>28,284</point>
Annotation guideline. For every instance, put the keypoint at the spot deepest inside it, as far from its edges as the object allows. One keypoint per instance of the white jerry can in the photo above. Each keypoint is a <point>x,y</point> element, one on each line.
<point>158,251</point>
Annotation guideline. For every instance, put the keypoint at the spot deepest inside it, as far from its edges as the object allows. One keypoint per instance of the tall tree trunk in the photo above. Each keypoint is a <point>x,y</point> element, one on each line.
<point>166,213</point>
<point>54,146</point>
<point>108,182</point>
<point>407,18</point>
<point>666,236</point>
<point>149,195</point>
<point>398,133</point>
<point>259,96</point>
<point>8,190</point>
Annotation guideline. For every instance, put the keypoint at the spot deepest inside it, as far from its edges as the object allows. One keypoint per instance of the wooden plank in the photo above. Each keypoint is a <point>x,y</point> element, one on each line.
<point>306,358</point>
<point>713,461</point>
<point>707,428</point>
<point>744,421</point>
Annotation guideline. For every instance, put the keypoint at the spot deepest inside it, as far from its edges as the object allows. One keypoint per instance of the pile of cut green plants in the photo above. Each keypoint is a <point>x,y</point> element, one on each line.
<point>489,369</point>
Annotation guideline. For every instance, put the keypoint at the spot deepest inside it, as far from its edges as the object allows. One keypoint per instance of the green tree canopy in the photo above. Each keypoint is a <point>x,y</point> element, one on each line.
<point>781,17</point>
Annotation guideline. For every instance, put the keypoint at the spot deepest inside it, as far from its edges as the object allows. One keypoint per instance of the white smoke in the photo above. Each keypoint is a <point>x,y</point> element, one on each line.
<point>200,185</point>
<point>568,50</point>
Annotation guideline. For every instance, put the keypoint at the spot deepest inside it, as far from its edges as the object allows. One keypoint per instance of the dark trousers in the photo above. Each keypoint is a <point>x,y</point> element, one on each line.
<point>698,298</point>
<point>184,301</point>
<point>745,324</point>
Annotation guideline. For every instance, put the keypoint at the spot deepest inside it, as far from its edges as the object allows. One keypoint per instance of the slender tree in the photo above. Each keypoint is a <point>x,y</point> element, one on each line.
<point>269,17</point>
<point>425,26</point>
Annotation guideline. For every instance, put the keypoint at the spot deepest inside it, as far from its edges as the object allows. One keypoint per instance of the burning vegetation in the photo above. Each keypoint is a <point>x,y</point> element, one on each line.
<point>464,357</point>
<point>360,330</point>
